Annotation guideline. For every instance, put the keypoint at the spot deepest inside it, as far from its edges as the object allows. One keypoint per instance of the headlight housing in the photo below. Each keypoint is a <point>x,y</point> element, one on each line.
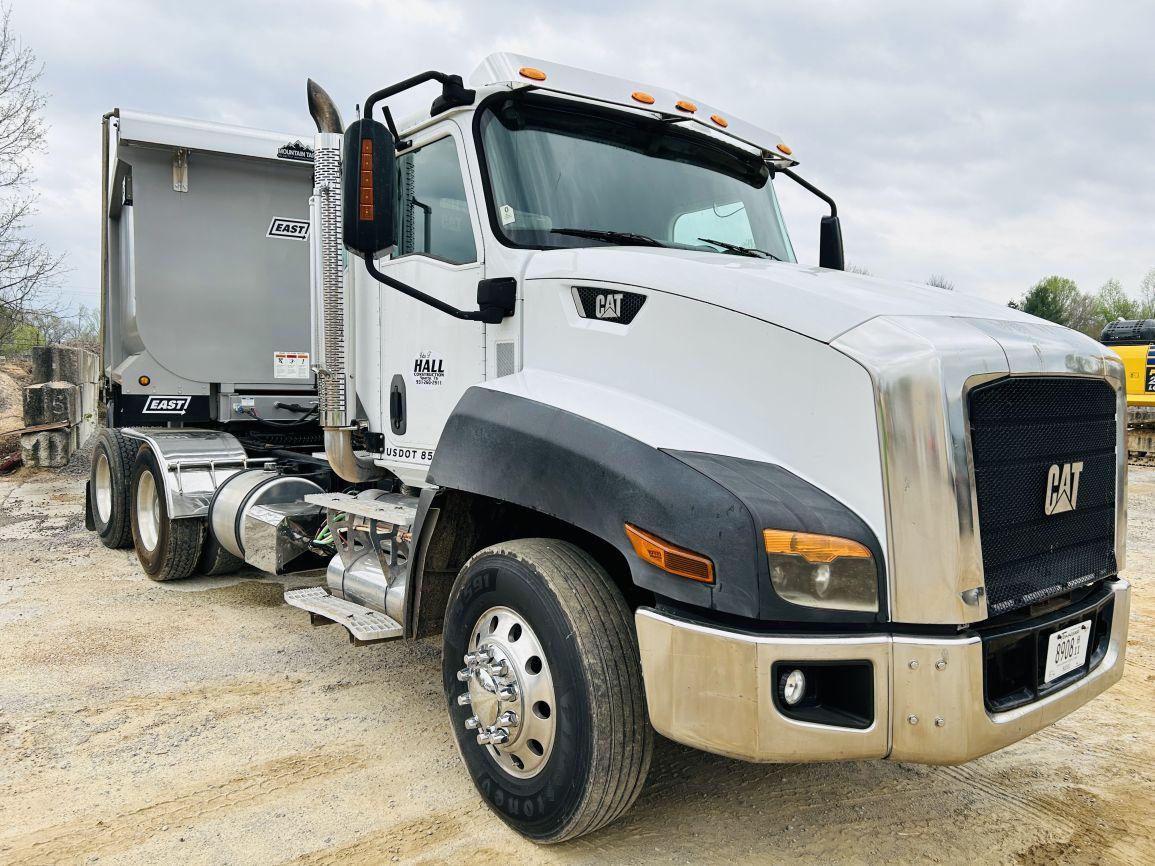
<point>822,570</point>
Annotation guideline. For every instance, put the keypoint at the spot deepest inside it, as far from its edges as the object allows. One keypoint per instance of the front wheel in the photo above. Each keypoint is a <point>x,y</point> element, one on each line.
<point>544,688</point>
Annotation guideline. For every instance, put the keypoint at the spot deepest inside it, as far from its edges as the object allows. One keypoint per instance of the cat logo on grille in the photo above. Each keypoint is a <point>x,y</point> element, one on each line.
<point>1062,487</point>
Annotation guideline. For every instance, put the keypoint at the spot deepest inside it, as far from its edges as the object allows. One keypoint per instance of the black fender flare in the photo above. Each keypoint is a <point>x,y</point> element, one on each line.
<point>561,464</point>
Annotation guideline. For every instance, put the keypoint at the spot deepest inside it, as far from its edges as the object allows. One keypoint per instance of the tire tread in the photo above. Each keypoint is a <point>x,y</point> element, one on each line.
<point>603,627</point>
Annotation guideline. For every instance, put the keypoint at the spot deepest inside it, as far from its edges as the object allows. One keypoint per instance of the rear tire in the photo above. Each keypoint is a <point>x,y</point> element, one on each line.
<point>167,549</point>
<point>109,481</point>
<point>581,633</point>
<point>215,559</point>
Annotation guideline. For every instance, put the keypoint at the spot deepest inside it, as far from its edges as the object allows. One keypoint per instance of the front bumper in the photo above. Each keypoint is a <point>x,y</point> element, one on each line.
<point>713,689</point>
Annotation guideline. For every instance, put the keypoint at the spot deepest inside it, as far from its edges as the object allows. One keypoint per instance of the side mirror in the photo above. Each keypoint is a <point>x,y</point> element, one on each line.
<point>369,173</point>
<point>830,253</point>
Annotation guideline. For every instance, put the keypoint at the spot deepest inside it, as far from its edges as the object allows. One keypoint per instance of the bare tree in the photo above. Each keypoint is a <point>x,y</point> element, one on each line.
<point>27,268</point>
<point>940,282</point>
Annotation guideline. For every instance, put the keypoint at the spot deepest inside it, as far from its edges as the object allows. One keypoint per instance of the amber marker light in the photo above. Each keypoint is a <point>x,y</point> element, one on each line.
<point>785,148</point>
<point>531,73</point>
<point>720,120</point>
<point>144,381</point>
<point>644,98</point>
<point>686,105</point>
<point>811,547</point>
<point>670,557</point>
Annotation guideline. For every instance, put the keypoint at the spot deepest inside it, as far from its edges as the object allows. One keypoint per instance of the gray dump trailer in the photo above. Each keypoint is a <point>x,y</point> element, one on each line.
<point>206,274</point>
<point>205,321</point>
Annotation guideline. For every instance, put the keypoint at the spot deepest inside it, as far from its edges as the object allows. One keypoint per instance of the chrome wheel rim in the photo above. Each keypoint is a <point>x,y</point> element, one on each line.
<point>147,510</point>
<point>103,484</point>
<point>509,688</point>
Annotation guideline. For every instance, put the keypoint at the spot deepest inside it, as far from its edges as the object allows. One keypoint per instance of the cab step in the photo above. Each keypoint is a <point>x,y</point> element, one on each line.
<point>364,625</point>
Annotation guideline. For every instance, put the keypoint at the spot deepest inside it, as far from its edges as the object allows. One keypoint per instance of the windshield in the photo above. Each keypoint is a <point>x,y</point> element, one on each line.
<point>566,174</point>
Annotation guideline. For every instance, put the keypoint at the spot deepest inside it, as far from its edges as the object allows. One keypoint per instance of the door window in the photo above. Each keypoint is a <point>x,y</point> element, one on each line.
<point>432,212</point>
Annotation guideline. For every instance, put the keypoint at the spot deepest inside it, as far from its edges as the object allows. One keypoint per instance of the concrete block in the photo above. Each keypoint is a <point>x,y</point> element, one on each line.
<point>48,449</point>
<point>64,364</point>
<point>51,403</point>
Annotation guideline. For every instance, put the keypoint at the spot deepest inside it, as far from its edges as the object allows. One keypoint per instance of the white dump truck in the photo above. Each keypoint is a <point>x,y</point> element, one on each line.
<point>579,410</point>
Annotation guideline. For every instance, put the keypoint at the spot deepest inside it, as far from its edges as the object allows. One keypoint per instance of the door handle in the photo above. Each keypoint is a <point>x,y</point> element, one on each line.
<point>397,405</point>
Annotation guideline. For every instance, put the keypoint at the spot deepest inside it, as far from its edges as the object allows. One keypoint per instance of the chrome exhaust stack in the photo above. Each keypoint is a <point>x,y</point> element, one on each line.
<point>330,310</point>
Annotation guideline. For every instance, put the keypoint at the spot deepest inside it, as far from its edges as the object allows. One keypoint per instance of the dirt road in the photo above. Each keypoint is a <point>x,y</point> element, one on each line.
<point>205,722</point>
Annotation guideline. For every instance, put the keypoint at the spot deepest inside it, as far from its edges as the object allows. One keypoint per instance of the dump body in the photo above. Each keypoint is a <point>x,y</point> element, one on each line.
<point>206,287</point>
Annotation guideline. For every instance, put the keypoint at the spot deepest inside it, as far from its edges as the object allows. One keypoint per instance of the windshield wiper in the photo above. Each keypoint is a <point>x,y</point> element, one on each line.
<point>742,251</point>
<point>612,237</point>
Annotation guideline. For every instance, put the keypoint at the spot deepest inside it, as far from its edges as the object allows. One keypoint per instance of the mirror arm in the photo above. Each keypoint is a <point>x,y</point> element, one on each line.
<point>807,185</point>
<point>491,316</point>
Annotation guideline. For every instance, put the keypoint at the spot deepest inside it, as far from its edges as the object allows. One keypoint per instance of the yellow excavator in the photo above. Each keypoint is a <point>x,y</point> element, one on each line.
<point>1133,340</point>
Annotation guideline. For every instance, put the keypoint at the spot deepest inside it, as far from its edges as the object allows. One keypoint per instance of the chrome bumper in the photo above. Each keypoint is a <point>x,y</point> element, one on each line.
<point>713,689</point>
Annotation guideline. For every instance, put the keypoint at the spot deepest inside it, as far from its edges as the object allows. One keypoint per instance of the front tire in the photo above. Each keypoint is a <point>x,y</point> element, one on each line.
<point>554,684</point>
<point>167,549</point>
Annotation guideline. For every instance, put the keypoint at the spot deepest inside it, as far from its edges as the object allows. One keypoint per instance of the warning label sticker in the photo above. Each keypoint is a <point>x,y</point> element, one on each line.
<point>291,365</point>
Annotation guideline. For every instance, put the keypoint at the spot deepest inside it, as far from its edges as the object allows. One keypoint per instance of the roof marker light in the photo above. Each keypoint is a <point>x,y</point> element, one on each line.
<point>785,148</point>
<point>686,105</point>
<point>642,97</point>
<point>531,73</point>
<point>720,120</point>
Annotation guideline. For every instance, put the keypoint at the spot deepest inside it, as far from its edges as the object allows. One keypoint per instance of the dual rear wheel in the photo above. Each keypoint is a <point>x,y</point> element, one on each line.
<point>129,509</point>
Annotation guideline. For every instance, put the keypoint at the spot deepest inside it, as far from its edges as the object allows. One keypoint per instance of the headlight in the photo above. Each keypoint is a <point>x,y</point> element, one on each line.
<point>822,570</point>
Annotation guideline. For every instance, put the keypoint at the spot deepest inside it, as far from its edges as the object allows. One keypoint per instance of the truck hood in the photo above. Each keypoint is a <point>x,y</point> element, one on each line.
<point>819,303</point>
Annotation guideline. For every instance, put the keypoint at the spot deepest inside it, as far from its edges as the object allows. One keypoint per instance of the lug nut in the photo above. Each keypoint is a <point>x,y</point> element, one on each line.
<point>498,737</point>
<point>464,700</point>
<point>507,693</point>
<point>472,723</point>
<point>464,675</point>
<point>498,669</point>
<point>508,719</point>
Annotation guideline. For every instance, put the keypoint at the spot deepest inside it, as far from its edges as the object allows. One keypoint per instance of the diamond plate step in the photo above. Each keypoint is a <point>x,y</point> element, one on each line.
<point>364,625</point>
<point>394,509</point>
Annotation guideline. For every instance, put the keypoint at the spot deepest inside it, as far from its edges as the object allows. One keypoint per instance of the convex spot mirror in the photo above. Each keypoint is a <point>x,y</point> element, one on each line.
<point>369,173</point>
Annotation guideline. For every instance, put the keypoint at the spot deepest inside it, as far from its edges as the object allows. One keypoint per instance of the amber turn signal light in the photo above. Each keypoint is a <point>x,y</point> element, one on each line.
<point>812,547</point>
<point>144,381</point>
<point>685,105</point>
<point>531,73</point>
<point>720,120</point>
<point>644,98</point>
<point>784,148</point>
<point>670,557</point>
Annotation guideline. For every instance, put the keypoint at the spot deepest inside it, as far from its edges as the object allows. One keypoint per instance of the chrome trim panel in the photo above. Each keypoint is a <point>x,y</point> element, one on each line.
<point>195,464</point>
<point>923,367</point>
<point>712,689</point>
<point>954,694</point>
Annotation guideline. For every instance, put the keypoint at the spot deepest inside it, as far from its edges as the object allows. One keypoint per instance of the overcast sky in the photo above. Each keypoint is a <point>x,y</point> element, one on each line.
<point>992,142</point>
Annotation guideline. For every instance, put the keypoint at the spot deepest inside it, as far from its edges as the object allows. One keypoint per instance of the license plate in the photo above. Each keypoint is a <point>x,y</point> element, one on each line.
<point>1067,650</point>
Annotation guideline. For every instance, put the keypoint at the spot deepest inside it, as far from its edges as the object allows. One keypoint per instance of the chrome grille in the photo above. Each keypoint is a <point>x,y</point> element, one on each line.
<point>1024,431</point>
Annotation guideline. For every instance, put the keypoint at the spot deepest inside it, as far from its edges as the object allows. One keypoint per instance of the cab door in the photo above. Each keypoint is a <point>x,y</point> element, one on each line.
<point>428,357</point>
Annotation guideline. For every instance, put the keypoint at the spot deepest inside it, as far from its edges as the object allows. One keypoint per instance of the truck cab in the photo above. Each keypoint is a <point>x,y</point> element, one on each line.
<point>591,422</point>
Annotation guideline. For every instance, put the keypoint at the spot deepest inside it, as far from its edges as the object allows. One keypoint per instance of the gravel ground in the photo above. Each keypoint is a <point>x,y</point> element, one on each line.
<point>205,722</point>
